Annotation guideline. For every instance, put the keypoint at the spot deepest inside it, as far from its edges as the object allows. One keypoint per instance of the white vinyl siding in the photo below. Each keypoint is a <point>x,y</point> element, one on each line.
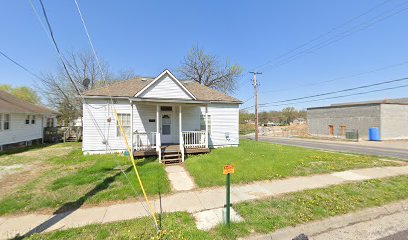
<point>15,130</point>
<point>165,88</point>
<point>224,124</point>
<point>99,125</point>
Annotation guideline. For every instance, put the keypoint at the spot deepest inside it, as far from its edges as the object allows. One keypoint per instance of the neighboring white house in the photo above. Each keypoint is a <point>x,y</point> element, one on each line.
<point>22,122</point>
<point>161,116</point>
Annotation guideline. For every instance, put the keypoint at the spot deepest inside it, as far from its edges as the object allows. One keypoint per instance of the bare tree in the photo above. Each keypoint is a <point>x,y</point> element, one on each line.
<point>206,70</point>
<point>61,94</point>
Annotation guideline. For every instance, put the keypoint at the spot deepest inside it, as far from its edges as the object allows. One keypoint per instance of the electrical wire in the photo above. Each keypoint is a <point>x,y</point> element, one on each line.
<point>357,28</point>
<point>19,65</point>
<point>340,78</point>
<point>342,96</point>
<point>339,91</point>
<point>322,35</point>
<point>110,96</point>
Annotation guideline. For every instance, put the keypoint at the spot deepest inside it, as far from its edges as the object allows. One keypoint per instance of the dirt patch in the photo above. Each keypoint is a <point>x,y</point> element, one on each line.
<point>9,183</point>
<point>45,153</point>
<point>21,168</point>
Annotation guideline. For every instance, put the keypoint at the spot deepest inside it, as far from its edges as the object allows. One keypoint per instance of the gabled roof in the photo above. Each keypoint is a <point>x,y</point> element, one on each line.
<point>11,104</point>
<point>131,88</point>
<point>165,72</point>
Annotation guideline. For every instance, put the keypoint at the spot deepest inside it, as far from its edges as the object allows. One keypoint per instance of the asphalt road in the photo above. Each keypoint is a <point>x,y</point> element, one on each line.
<point>403,235</point>
<point>338,147</point>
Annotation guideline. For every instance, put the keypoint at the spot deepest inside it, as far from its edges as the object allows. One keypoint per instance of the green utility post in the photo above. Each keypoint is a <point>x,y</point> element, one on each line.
<point>228,170</point>
<point>228,198</point>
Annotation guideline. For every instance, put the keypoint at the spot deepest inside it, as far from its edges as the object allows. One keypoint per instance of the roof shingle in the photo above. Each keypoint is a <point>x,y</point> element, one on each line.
<point>131,87</point>
<point>11,104</point>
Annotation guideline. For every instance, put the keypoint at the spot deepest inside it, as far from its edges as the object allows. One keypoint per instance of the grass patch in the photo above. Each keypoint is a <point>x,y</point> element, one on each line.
<point>256,161</point>
<point>72,180</point>
<point>268,215</point>
<point>261,216</point>
<point>180,226</point>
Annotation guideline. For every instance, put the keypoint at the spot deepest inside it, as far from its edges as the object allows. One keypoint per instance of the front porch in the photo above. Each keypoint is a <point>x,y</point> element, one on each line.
<point>175,135</point>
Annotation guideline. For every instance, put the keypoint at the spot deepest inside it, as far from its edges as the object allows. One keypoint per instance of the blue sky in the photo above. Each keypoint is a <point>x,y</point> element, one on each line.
<point>149,36</point>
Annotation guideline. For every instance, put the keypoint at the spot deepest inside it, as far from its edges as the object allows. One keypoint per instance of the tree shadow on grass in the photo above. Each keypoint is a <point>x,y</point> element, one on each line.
<point>70,207</point>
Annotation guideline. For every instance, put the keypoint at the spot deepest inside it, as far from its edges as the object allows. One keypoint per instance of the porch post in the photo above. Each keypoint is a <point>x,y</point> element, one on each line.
<point>206,126</point>
<point>131,127</point>
<point>181,133</point>
<point>157,118</point>
<point>158,140</point>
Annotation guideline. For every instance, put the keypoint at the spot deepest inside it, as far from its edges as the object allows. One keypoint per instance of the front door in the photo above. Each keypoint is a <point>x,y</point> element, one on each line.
<point>166,128</point>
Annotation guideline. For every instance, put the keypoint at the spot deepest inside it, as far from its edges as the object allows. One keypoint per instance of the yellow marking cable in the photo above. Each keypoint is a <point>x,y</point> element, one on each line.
<point>134,166</point>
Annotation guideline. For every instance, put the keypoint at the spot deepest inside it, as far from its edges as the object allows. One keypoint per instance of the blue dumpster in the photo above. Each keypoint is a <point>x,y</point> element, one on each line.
<point>374,134</point>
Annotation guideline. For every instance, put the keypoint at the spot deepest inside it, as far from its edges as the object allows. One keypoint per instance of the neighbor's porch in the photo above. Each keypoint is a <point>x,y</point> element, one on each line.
<point>173,131</point>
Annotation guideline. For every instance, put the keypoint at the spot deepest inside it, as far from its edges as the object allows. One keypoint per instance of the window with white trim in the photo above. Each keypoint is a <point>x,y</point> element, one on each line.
<point>33,119</point>
<point>50,122</point>
<point>202,123</point>
<point>27,121</point>
<point>6,123</point>
<point>124,119</point>
<point>1,121</point>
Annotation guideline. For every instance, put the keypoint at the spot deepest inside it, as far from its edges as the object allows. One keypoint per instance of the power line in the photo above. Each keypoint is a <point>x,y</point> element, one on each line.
<point>322,35</point>
<point>342,96</point>
<point>19,65</point>
<point>328,93</point>
<point>339,91</point>
<point>56,46</point>
<point>113,105</point>
<point>341,78</point>
<point>357,28</point>
<point>54,43</point>
<point>281,60</point>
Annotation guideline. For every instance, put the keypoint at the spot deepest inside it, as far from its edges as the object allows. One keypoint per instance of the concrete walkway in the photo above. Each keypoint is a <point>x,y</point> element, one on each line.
<point>373,223</point>
<point>179,178</point>
<point>190,201</point>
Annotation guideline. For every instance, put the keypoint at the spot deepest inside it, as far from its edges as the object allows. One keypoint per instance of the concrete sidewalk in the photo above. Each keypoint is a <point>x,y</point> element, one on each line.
<point>371,223</point>
<point>190,201</point>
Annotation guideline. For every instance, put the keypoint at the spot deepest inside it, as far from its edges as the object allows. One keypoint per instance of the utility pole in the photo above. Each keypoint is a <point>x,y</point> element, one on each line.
<point>255,83</point>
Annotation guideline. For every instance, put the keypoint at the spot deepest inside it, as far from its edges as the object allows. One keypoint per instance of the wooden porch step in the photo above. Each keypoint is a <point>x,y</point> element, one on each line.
<point>171,161</point>
<point>177,155</point>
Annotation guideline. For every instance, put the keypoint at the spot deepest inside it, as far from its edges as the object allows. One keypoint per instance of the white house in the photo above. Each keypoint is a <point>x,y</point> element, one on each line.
<point>161,116</point>
<point>21,122</point>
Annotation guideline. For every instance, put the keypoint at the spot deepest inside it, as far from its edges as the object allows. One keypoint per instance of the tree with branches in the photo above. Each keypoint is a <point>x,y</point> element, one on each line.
<point>59,91</point>
<point>207,70</point>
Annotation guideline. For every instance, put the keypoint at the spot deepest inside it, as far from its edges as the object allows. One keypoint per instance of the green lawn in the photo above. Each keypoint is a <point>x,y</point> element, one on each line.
<point>261,216</point>
<point>65,180</point>
<point>262,161</point>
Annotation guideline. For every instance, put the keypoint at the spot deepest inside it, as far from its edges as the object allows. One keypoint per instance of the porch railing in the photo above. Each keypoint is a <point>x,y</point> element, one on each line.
<point>145,141</point>
<point>195,139</point>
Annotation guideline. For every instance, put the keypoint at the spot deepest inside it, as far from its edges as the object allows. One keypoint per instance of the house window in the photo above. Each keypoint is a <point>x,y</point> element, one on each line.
<point>124,119</point>
<point>27,121</point>
<point>6,124</point>
<point>202,123</point>
<point>33,119</point>
<point>50,122</point>
<point>166,108</point>
<point>1,121</point>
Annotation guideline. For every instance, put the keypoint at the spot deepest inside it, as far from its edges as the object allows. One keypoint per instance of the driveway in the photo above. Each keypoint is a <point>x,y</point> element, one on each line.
<point>397,149</point>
